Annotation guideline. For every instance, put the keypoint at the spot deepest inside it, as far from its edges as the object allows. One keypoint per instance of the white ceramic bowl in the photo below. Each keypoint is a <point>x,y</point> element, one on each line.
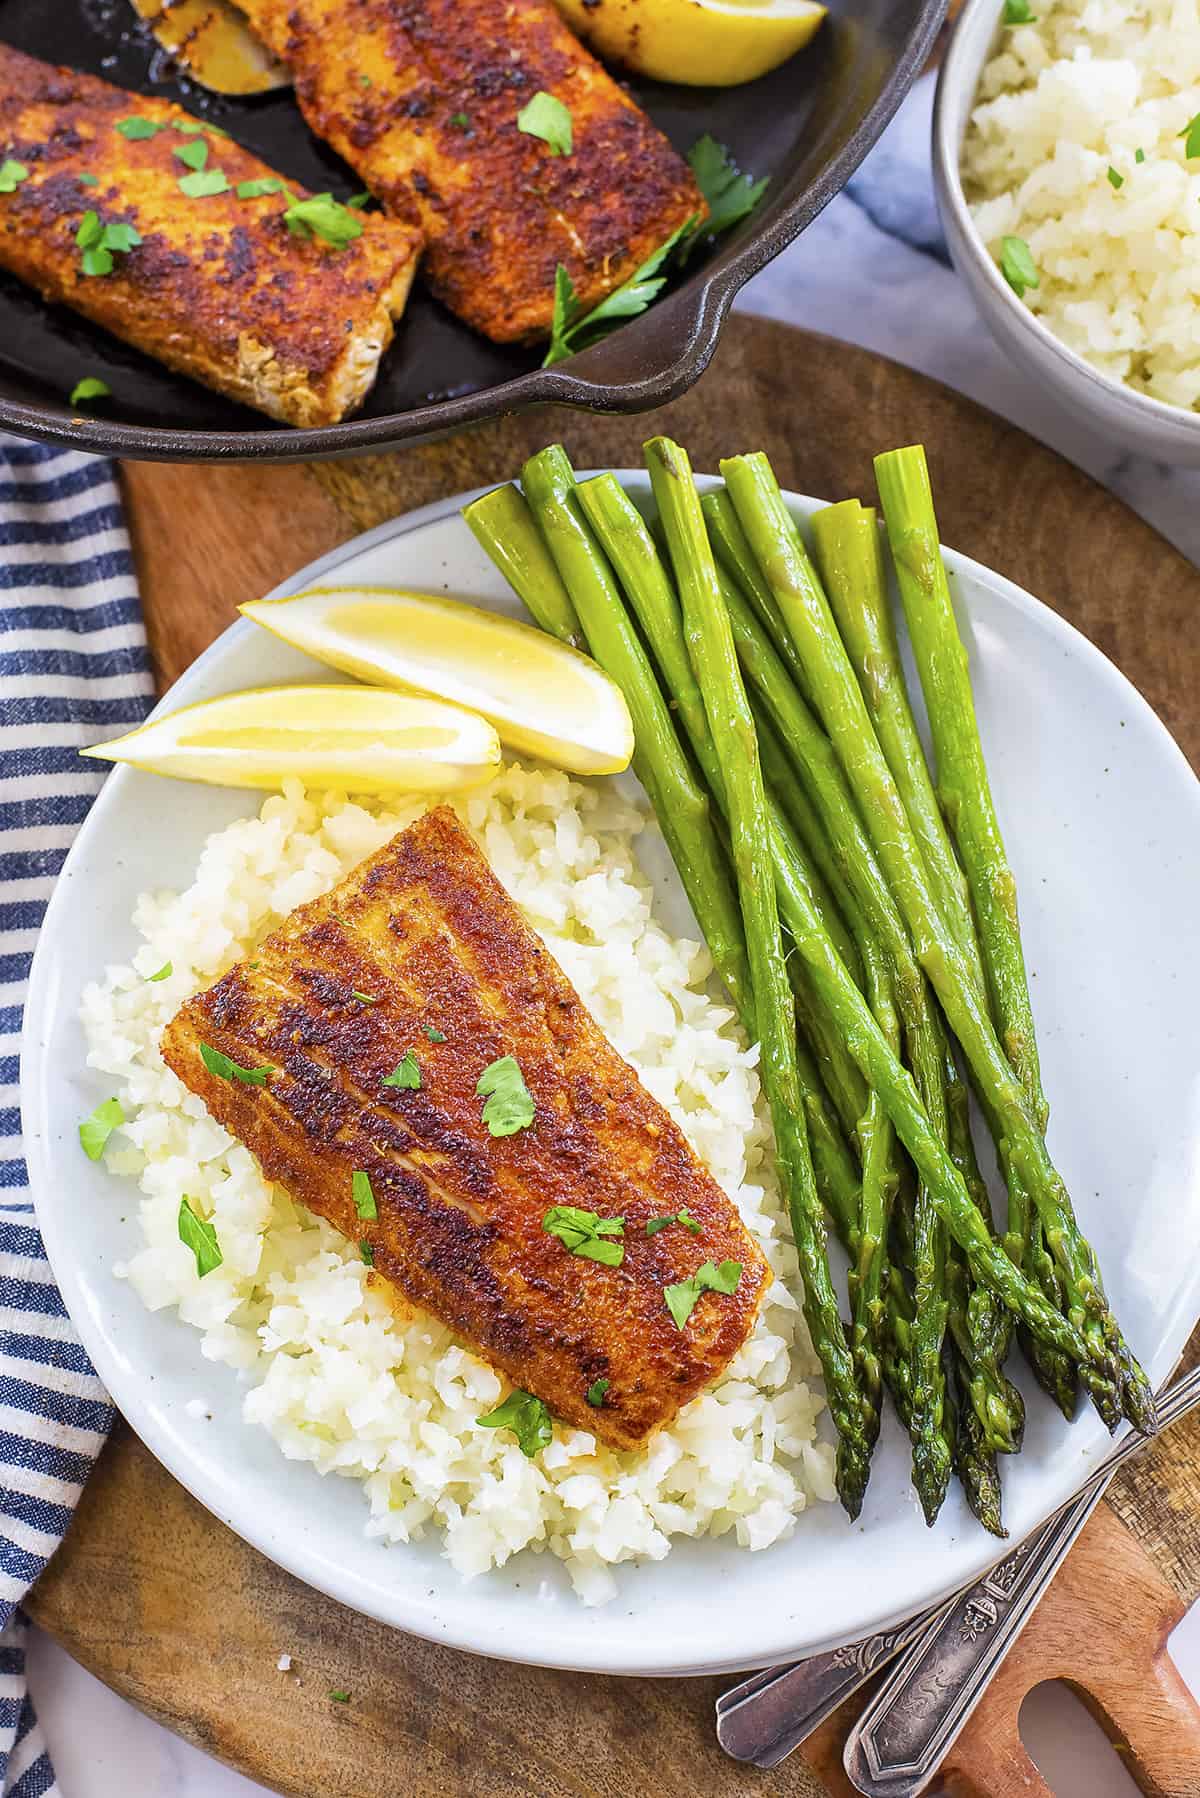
<point>1103,820</point>
<point>1126,418</point>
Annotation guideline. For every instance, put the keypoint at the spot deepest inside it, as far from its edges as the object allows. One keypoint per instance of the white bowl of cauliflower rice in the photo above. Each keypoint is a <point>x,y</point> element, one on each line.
<point>1066,147</point>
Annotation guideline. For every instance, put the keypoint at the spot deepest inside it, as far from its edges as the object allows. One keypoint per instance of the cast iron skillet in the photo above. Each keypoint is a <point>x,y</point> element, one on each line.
<point>807,125</point>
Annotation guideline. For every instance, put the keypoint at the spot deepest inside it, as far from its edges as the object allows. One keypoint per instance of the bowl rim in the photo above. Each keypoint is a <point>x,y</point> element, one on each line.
<point>676,339</point>
<point>953,80</point>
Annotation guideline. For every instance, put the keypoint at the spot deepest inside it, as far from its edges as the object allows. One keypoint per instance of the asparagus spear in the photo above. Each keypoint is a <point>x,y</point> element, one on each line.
<point>714,660</point>
<point>680,803</point>
<point>1108,1367</point>
<point>504,527</point>
<point>736,560</point>
<point>966,801</point>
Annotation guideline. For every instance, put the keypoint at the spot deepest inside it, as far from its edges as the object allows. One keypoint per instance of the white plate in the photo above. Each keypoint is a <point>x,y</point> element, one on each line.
<point>1103,825</point>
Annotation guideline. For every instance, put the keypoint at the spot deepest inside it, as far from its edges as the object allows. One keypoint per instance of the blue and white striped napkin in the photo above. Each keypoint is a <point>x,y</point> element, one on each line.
<point>73,666</point>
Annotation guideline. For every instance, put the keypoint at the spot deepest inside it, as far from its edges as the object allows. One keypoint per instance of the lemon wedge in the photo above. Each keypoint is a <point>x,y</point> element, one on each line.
<point>544,698</point>
<point>360,739</point>
<point>701,43</point>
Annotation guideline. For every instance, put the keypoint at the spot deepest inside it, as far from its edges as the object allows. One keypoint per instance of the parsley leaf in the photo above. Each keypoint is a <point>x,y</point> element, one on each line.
<point>1115,180</point>
<point>1192,133</point>
<point>363,1195</point>
<point>96,262</point>
<point>166,967</point>
<point>194,153</point>
<point>199,125</point>
<point>585,1233</point>
<point>203,182</point>
<point>199,1234</point>
<point>90,231</point>
<point>93,388</point>
<point>509,1105</point>
<point>324,217</point>
<point>367,1253</point>
<point>340,1697</point>
<point>682,1216</point>
<point>461,119</point>
<point>225,1069</point>
<point>1139,156</point>
<point>95,1130</point>
<point>406,1073</point>
<point>681,1298</point>
<point>83,180</point>
<point>356,202</point>
<point>364,998</point>
<point>626,301</point>
<point>1017,265</point>
<point>435,1036</point>
<point>254,190</point>
<point>135,128</point>
<point>121,237</point>
<point>527,1418</point>
<point>729,193</point>
<point>1019,12</point>
<point>596,1391</point>
<point>547,118</point>
<point>12,173</point>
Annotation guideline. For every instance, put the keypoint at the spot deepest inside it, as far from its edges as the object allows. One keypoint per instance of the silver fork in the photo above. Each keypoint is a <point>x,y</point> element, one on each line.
<point>765,1717</point>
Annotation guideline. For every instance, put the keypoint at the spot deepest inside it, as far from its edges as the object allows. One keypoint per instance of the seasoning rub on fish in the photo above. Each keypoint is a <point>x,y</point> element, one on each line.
<point>140,216</point>
<point>358,1036</point>
<point>422,97</point>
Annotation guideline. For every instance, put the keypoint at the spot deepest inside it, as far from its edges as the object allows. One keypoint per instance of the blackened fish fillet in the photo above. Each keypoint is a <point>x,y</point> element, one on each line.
<point>428,940</point>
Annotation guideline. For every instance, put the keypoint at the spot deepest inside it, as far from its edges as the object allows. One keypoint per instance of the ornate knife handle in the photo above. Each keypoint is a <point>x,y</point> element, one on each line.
<point>911,1723</point>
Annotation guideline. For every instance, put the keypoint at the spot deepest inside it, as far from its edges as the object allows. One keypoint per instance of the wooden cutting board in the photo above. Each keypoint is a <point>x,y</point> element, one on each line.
<point>169,1608</point>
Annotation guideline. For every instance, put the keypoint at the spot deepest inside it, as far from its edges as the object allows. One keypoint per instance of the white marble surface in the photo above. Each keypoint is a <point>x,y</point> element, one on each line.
<point>870,269</point>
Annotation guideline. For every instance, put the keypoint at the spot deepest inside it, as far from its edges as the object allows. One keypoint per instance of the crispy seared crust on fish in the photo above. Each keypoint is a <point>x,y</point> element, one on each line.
<point>421,98</point>
<point>425,931</point>
<point>218,289</point>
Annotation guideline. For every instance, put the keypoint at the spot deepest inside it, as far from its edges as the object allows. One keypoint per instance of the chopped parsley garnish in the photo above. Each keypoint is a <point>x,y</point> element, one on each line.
<point>367,1253</point>
<point>682,1297</point>
<point>682,1216</point>
<point>93,388</point>
<point>324,217</point>
<point>199,1234</point>
<point>1017,265</point>
<point>88,180</point>
<point>12,173</point>
<point>527,1418</point>
<point>99,242</point>
<point>363,1196</point>
<point>166,967</point>
<point>549,119</point>
<point>1019,12</point>
<point>203,182</point>
<point>461,119</point>
<point>364,81</point>
<point>1114,179</point>
<point>509,1105</point>
<point>569,325</point>
<point>363,998</point>
<point>264,184</point>
<point>730,194</point>
<point>1192,133</point>
<point>406,1074</point>
<point>340,1697</point>
<point>596,1391</point>
<point>199,125</point>
<point>435,1036</point>
<point>194,153</point>
<point>136,128</point>
<point>95,1130</point>
<point>587,1233</point>
<point>357,202</point>
<point>226,1069</point>
<point>1139,156</point>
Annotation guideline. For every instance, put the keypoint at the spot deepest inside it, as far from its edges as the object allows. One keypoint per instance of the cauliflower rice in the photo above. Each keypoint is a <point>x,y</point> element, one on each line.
<point>1085,89</point>
<point>332,1371</point>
